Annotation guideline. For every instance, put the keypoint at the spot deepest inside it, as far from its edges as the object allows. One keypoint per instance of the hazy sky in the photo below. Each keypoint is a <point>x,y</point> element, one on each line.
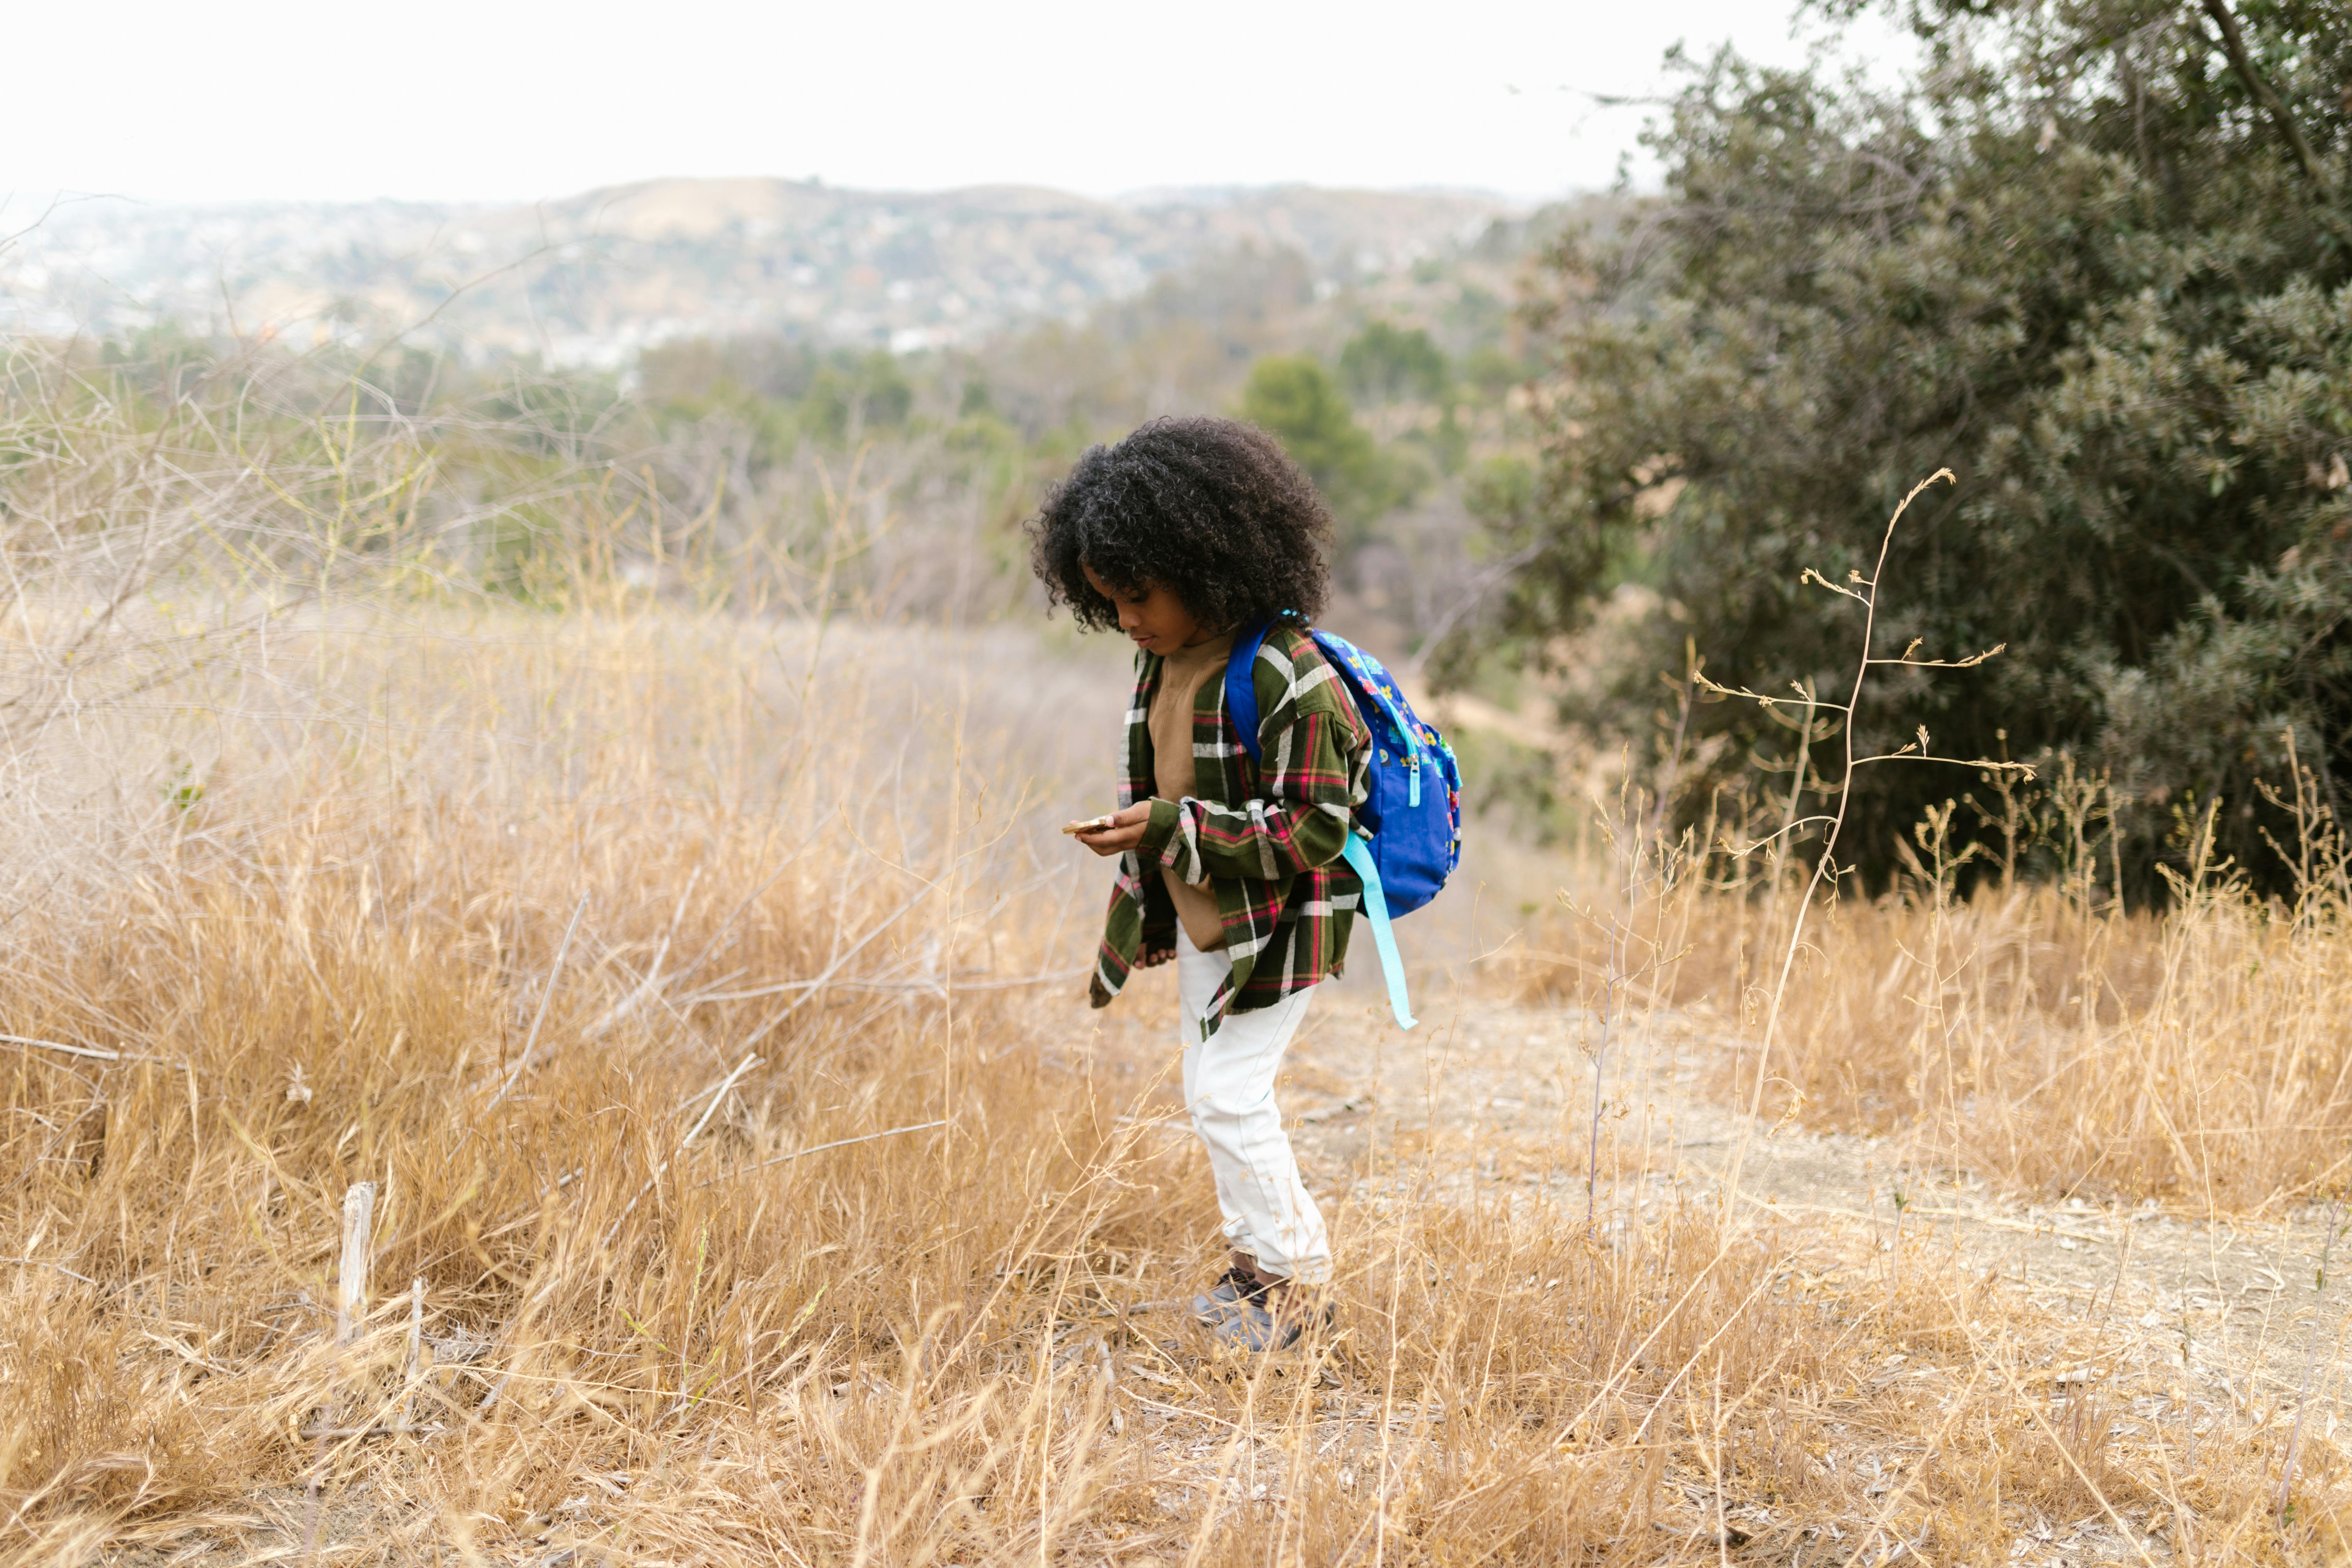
<point>496,100</point>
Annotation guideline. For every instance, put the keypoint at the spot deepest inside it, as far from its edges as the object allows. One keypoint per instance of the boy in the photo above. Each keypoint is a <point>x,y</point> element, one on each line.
<point>1183,535</point>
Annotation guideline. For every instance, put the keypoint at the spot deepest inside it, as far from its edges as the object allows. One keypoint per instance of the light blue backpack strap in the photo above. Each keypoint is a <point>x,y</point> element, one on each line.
<point>1359,855</point>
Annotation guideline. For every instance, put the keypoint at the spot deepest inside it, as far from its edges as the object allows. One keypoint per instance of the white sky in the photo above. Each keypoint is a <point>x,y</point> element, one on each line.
<point>496,100</point>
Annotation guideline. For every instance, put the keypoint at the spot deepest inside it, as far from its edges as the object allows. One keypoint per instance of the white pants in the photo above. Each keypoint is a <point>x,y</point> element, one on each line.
<point>1229,1090</point>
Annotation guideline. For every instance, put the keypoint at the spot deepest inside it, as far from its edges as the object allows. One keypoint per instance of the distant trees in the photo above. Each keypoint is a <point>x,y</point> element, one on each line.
<point>2097,259</point>
<point>1294,397</point>
<point>1385,362</point>
<point>754,425</point>
<point>870,393</point>
<point>783,392</point>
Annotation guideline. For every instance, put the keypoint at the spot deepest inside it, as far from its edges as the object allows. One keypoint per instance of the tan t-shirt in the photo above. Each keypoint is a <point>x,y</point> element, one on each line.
<point>1181,676</point>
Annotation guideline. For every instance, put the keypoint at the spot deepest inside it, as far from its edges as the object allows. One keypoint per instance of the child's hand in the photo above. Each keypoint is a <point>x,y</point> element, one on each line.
<point>1125,831</point>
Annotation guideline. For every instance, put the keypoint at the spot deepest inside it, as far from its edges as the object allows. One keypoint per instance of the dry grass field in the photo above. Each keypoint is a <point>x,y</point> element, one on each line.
<point>750,1186</point>
<point>689,1004</point>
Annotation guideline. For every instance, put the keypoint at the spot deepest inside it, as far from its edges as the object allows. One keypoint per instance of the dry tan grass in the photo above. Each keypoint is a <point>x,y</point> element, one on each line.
<point>654,1332</point>
<point>2197,1058</point>
<point>2049,1042</point>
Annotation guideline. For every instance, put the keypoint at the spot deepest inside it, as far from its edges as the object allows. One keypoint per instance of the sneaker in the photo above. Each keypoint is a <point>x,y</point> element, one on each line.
<point>1246,1323</point>
<point>1247,1326</point>
<point>1239,1287</point>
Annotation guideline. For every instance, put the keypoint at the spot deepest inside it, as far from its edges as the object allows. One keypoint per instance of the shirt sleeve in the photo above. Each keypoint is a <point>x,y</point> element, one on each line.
<point>1314,746</point>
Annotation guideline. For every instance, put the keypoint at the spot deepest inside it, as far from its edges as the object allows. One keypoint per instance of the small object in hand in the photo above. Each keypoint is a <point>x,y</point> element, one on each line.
<point>1092,824</point>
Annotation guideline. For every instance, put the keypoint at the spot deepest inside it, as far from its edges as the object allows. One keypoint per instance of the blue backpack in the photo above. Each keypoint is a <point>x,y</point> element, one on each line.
<point>1407,832</point>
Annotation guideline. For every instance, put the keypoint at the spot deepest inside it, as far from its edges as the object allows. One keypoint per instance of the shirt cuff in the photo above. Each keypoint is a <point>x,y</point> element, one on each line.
<point>1161,828</point>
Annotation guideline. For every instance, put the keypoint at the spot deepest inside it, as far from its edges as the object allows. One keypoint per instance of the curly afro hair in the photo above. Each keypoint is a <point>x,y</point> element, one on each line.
<point>1212,510</point>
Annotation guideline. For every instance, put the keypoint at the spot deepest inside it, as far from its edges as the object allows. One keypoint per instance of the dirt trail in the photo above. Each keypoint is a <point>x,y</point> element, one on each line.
<point>1496,1098</point>
<point>1503,1094</point>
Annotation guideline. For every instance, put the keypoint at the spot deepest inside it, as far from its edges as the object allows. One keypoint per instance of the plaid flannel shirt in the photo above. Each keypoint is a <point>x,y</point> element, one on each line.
<point>1267,839</point>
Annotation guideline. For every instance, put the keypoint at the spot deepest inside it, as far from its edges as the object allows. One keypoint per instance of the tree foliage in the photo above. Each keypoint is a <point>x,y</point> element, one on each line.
<point>1385,362</point>
<point>1296,398</point>
<point>2094,258</point>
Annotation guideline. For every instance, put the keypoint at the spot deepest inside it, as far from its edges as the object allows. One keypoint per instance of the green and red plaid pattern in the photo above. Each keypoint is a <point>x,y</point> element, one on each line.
<point>1267,839</point>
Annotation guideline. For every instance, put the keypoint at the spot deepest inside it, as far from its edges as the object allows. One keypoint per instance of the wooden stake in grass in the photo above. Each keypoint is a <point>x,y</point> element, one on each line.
<point>351,1287</point>
<point>415,1349</point>
<point>350,1312</point>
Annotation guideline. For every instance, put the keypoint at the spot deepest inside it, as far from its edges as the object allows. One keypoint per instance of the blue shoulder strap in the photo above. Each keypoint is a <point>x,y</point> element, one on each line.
<point>1241,706</point>
<point>1241,686</point>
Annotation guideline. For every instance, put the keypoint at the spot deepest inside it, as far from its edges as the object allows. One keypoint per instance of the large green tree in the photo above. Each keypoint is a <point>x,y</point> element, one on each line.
<point>2094,258</point>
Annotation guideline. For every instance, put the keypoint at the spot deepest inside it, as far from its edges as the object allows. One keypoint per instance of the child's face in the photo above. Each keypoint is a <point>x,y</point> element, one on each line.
<point>1155,619</point>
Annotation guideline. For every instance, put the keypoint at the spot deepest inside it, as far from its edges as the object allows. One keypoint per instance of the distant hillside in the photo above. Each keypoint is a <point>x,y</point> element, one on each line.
<point>594,278</point>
